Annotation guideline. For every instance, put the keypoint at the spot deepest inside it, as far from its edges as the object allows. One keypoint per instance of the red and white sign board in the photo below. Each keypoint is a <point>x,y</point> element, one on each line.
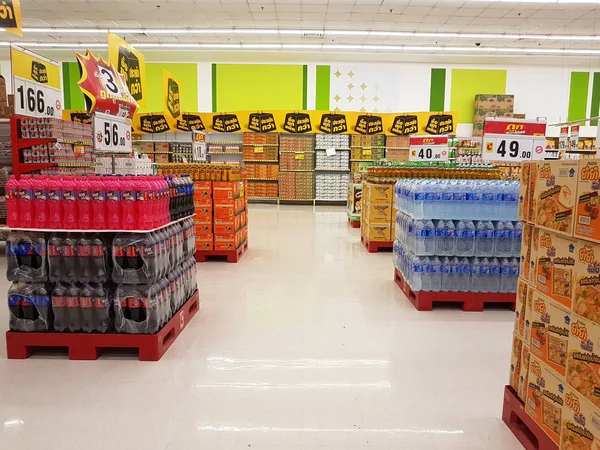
<point>428,148</point>
<point>563,139</point>
<point>574,141</point>
<point>513,140</point>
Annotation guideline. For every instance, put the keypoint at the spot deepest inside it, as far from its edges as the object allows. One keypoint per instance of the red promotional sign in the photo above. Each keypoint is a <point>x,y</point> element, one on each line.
<point>514,126</point>
<point>104,89</point>
<point>428,140</point>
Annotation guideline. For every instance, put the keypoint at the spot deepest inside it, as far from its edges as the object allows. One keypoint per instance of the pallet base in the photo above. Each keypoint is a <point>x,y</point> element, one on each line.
<point>529,433</point>
<point>84,346</point>
<point>471,301</point>
<point>232,256</point>
<point>376,246</point>
<point>353,223</point>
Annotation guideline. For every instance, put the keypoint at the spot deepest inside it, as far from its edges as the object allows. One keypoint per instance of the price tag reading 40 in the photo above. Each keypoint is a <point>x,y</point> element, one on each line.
<point>36,84</point>
<point>428,148</point>
<point>112,134</point>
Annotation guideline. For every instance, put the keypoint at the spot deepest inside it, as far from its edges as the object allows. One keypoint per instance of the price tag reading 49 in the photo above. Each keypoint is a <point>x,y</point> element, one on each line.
<point>428,148</point>
<point>513,140</point>
<point>36,84</point>
<point>112,134</point>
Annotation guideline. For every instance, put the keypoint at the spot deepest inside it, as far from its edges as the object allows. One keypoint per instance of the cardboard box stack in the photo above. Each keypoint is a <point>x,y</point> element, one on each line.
<point>7,105</point>
<point>378,219</point>
<point>221,216</point>
<point>491,105</point>
<point>555,361</point>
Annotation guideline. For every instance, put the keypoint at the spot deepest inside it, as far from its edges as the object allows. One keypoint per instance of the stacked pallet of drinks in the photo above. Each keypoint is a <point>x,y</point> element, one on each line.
<point>296,168</point>
<point>332,167</point>
<point>554,384</point>
<point>261,158</point>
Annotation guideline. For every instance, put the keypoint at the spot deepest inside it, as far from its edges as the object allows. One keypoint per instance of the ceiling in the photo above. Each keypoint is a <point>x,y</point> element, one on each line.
<point>437,23</point>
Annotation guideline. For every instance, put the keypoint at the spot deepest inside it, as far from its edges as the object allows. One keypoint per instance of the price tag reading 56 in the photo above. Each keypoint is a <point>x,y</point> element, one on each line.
<point>428,148</point>
<point>112,134</point>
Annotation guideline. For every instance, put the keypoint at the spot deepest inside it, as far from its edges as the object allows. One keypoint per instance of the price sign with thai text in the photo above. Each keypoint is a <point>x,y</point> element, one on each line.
<point>112,134</point>
<point>513,140</point>
<point>428,148</point>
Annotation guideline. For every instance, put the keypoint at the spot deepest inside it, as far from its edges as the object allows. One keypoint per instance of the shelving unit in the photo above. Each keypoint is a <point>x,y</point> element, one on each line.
<point>296,169</point>
<point>260,157</point>
<point>332,168</point>
<point>225,147</point>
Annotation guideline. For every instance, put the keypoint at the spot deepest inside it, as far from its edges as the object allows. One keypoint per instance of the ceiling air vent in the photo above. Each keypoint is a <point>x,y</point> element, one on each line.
<point>313,34</point>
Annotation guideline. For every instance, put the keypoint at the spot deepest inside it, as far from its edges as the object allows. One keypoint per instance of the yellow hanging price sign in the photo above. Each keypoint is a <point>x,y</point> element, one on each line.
<point>259,150</point>
<point>299,155</point>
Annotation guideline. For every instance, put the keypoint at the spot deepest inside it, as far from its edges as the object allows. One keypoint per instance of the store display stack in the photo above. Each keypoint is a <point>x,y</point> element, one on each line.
<point>457,235</point>
<point>332,167</point>
<point>555,360</point>
<point>365,149</point>
<point>378,214</point>
<point>296,168</point>
<point>491,105</point>
<point>260,156</point>
<point>79,281</point>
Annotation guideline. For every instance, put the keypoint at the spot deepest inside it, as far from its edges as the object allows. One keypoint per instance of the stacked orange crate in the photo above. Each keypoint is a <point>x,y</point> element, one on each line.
<point>229,211</point>
<point>203,218</point>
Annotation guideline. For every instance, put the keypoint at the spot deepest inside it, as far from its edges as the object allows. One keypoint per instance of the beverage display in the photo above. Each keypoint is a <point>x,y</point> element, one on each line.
<point>26,258</point>
<point>30,308</point>
<point>95,202</point>
<point>78,257</point>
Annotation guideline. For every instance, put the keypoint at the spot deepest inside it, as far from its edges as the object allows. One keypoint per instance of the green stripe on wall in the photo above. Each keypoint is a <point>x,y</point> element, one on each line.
<point>214,88</point>
<point>323,86</point>
<point>73,95</point>
<point>595,108</point>
<point>304,86</point>
<point>466,83</point>
<point>437,94</point>
<point>578,94</point>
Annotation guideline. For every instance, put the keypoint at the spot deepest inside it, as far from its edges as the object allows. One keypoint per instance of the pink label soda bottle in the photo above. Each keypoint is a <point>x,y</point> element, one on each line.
<point>55,203</point>
<point>128,203</point>
<point>26,201</point>
<point>40,201</point>
<point>99,218</point>
<point>70,215</point>
<point>143,203</point>
<point>113,202</point>
<point>84,202</point>
<point>12,201</point>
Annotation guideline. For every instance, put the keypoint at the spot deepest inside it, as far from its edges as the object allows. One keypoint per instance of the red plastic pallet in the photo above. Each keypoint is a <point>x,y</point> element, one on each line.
<point>471,301</point>
<point>529,433</point>
<point>354,223</point>
<point>375,246</point>
<point>233,256</point>
<point>84,346</point>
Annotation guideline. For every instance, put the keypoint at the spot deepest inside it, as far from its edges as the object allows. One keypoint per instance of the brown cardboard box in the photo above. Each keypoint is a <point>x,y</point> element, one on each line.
<point>162,158</point>
<point>583,362</point>
<point>377,232</point>
<point>587,222</point>
<point>378,213</point>
<point>555,195</point>
<point>162,147</point>
<point>579,421</point>
<point>586,293</point>
<point>380,193</point>
<point>147,147</point>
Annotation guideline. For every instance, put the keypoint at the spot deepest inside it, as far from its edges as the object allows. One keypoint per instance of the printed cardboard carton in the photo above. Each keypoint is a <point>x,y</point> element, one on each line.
<point>586,300</point>
<point>515,361</point>
<point>583,362</point>
<point>580,427</point>
<point>587,223</point>
<point>524,372</point>
<point>555,193</point>
<point>521,303</point>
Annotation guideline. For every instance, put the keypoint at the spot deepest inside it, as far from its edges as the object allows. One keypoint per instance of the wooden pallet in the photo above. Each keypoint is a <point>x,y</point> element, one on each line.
<point>89,346</point>
<point>354,223</point>
<point>232,256</point>
<point>529,433</point>
<point>376,246</point>
<point>471,301</point>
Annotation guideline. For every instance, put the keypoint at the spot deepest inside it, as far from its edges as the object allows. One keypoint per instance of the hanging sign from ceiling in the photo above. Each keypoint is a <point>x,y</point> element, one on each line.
<point>36,84</point>
<point>10,16</point>
<point>103,88</point>
<point>130,63</point>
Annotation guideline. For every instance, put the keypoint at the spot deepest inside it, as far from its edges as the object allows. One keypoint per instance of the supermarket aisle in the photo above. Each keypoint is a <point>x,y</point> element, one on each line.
<point>306,344</point>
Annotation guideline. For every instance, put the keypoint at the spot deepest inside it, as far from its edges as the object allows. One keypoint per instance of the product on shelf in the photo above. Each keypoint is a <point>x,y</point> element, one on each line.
<point>26,257</point>
<point>82,307</point>
<point>30,307</point>
<point>204,171</point>
<point>397,148</point>
<point>78,257</point>
<point>378,213</point>
<point>98,202</point>
<point>331,187</point>
<point>296,170</point>
<point>491,105</point>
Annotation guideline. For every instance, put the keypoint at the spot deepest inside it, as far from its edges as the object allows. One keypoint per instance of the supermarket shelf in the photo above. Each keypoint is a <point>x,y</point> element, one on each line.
<point>331,170</point>
<point>397,148</point>
<point>364,160</point>
<point>296,170</point>
<point>224,143</point>
<point>225,153</point>
<point>32,167</point>
<point>262,145</point>
<point>296,151</point>
<point>522,425</point>
<point>263,179</point>
<point>369,148</point>
<point>102,231</point>
<point>471,301</point>
<point>303,200</point>
<point>86,346</point>
<point>250,198</point>
<point>323,149</point>
<point>261,161</point>
<point>67,164</point>
<point>233,256</point>
<point>327,200</point>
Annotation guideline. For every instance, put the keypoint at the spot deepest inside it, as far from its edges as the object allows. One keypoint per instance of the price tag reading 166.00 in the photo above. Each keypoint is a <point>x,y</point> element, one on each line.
<point>428,148</point>
<point>112,134</point>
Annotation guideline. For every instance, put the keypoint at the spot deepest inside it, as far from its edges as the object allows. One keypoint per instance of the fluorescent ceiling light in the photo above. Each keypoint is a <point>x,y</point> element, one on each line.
<point>165,31</point>
<point>66,30</point>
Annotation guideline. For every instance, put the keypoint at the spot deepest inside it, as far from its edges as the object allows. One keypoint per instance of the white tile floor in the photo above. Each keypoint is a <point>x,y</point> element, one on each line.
<point>307,343</point>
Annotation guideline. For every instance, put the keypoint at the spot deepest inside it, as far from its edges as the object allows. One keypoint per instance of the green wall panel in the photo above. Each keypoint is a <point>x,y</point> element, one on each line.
<point>595,106</point>
<point>258,86</point>
<point>466,83</point>
<point>323,87</point>
<point>578,94</point>
<point>73,95</point>
<point>187,73</point>
<point>437,93</point>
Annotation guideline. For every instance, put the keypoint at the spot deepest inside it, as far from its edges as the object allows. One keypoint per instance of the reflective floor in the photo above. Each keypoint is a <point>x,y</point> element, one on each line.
<point>307,343</point>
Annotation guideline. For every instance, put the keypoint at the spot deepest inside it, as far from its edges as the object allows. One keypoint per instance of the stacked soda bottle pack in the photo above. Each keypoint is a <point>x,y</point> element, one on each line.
<point>476,249</point>
<point>98,283</point>
<point>95,202</point>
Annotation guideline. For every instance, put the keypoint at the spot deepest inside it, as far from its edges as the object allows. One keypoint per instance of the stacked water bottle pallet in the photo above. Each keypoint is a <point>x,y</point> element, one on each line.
<point>221,220</point>
<point>377,218</point>
<point>474,259</point>
<point>555,361</point>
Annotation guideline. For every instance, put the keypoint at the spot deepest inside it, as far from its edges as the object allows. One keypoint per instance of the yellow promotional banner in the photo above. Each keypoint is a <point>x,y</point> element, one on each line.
<point>131,63</point>
<point>36,84</point>
<point>10,16</point>
<point>77,116</point>
<point>308,122</point>
<point>172,98</point>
